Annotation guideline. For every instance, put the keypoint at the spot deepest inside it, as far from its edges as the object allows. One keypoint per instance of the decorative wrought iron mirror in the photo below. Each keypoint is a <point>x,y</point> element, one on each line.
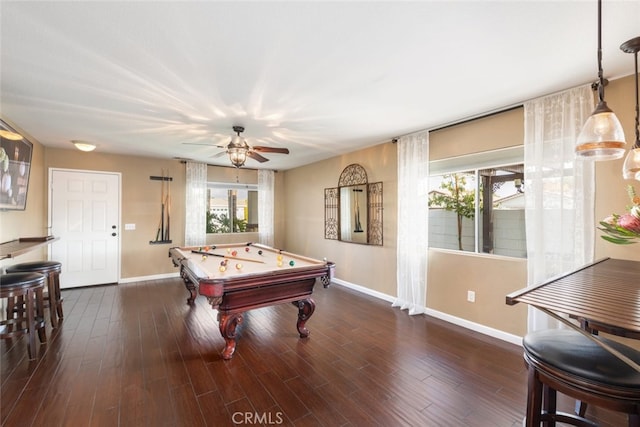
<point>353,210</point>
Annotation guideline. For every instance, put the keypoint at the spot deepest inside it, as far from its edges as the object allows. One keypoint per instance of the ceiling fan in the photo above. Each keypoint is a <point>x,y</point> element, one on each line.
<point>238,150</point>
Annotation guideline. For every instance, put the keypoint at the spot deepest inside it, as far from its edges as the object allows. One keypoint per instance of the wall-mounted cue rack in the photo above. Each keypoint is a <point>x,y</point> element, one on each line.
<point>163,233</point>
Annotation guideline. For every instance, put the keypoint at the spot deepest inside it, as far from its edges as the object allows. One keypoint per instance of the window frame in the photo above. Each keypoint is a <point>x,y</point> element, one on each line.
<point>227,186</point>
<point>473,163</point>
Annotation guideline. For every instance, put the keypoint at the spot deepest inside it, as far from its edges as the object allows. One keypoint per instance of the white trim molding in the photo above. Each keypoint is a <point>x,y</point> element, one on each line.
<point>477,327</point>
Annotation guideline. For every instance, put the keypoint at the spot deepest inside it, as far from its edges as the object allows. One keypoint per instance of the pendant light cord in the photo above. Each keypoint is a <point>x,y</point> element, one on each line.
<point>600,72</point>
<point>637,143</point>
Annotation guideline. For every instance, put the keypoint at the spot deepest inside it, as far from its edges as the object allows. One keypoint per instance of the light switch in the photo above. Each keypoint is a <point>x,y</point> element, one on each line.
<point>129,226</point>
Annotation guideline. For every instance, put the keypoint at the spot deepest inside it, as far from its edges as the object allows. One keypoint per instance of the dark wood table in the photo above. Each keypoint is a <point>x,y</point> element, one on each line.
<point>603,296</point>
<point>254,276</point>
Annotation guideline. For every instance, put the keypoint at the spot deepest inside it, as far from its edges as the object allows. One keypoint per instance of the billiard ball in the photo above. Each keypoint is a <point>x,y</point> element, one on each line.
<point>222,268</point>
<point>279,257</point>
<point>279,263</point>
<point>292,263</point>
<point>260,252</point>
<point>238,266</point>
<point>234,253</point>
<point>246,249</point>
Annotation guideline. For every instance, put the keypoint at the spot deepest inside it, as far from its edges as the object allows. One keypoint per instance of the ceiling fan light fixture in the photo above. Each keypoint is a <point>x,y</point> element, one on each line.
<point>237,148</point>
<point>12,136</point>
<point>631,166</point>
<point>602,136</point>
<point>83,145</point>
<point>237,155</point>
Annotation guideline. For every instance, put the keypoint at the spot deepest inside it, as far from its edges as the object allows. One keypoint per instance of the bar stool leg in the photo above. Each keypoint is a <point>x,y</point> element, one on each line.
<point>31,322</point>
<point>53,299</point>
<point>534,399</point>
<point>42,332</point>
<point>58,295</point>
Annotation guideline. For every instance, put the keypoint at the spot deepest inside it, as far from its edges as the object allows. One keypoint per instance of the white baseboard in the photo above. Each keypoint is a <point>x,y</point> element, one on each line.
<point>477,327</point>
<point>152,277</point>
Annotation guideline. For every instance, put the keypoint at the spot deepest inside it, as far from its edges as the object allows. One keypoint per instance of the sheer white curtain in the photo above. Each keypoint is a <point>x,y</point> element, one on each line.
<point>266,207</point>
<point>559,190</point>
<point>195,229</point>
<point>413,216</point>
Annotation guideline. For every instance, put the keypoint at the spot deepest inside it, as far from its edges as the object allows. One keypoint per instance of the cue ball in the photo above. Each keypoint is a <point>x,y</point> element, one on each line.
<point>238,266</point>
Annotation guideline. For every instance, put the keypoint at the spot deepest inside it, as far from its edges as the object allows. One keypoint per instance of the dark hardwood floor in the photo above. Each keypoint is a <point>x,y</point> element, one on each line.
<point>138,355</point>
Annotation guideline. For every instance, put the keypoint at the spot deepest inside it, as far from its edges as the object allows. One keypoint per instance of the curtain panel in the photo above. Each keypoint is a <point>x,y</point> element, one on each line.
<point>195,229</point>
<point>559,190</point>
<point>266,207</point>
<point>413,217</point>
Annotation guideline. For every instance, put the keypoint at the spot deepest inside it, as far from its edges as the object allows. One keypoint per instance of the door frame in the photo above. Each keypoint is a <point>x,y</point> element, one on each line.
<point>119,213</point>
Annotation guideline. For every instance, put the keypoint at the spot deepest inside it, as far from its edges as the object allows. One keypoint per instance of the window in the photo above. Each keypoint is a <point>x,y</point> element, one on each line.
<point>478,209</point>
<point>232,208</point>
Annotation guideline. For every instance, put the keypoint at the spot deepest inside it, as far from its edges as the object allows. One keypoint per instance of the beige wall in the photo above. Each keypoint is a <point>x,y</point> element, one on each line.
<point>450,274</point>
<point>300,215</point>
<point>493,132</point>
<point>611,189</point>
<point>373,267</point>
<point>140,204</point>
<point>31,222</point>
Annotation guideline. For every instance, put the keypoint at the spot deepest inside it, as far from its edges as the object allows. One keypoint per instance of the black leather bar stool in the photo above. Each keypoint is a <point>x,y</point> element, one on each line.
<point>53,299</point>
<point>567,362</point>
<point>25,308</point>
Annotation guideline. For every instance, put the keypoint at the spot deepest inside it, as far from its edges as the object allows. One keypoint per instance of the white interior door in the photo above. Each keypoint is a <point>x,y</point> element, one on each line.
<point>84,212</point>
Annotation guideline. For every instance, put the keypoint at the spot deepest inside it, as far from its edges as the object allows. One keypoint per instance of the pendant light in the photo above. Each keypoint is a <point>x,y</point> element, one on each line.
<point>631,167</point>
<point>602,137</point>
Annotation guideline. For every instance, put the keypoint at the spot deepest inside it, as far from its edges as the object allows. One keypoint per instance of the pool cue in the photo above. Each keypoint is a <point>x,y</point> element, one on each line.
<point>227,256</point>
<point>162,207</point>
<point>158,233</point>
<point>168,207</point>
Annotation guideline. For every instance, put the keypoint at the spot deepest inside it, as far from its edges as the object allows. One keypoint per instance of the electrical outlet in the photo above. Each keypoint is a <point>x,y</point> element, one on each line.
<point>471,296</point>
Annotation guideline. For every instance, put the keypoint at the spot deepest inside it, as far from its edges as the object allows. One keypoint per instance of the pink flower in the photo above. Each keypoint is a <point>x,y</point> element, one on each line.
<point>629,222</point>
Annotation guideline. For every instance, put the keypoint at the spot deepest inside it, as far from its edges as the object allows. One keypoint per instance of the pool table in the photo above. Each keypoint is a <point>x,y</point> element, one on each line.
<point>242,276</point>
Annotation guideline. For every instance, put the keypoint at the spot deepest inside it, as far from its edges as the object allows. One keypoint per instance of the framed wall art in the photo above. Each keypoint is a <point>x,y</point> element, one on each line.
<point>15,168</point>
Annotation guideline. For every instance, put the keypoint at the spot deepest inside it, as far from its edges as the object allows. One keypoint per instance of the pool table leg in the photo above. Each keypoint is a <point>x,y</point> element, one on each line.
<point>306,307</point>
<point>228,322</point>
<point>191,288</point>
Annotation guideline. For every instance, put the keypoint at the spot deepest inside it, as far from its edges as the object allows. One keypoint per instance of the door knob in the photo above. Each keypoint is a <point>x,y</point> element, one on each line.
<point>113,234</point>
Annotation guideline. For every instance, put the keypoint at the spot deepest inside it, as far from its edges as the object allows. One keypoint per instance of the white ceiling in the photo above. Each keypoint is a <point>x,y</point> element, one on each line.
<point>320,78</point>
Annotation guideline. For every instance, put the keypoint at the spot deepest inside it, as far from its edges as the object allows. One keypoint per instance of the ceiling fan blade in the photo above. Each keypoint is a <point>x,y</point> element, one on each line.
<point>256,156</point>
<point>271,150</point>
<point>220,154</point>
<point>208,144</point>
